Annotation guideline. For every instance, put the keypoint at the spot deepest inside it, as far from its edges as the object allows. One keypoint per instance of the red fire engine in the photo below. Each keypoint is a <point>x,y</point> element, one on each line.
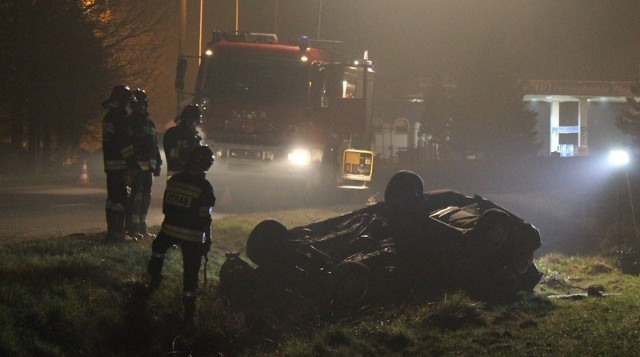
<point>286,112</point>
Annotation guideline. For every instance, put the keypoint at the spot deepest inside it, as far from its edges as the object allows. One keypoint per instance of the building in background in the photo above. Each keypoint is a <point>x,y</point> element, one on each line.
<point>577,118</point>
<point>574,118</point>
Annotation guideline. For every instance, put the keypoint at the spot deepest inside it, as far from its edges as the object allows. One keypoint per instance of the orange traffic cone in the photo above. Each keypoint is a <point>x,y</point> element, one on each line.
<point>84,175</point>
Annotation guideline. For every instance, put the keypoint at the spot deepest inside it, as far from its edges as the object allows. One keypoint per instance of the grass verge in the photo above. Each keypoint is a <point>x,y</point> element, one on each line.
<point>78,296</point>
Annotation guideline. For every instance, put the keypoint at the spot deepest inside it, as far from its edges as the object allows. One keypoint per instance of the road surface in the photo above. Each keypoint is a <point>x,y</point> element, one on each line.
<point>33,212</point>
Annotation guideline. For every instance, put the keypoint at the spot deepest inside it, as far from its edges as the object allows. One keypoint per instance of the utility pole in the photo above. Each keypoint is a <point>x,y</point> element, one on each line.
<point>366,64</point>
<point>200,33</point>
<point>275,17</point>
<point>181,43</point>
<point>319,20</point>
<point>183,27</point>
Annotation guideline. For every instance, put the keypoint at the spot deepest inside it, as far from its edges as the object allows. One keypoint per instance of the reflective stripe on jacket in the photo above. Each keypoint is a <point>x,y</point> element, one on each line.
<point>183,233</point>
<point>187,205</point>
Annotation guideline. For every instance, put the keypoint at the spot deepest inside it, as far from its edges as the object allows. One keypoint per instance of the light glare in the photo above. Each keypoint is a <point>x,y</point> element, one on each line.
<point>299,157</point>
<point>618,157</point>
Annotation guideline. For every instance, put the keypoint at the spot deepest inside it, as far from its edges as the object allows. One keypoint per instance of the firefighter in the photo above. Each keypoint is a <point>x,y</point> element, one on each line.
<point>180,139</point>
<point>187,205</point>
<point>147,151</point>
<point>119,160</point>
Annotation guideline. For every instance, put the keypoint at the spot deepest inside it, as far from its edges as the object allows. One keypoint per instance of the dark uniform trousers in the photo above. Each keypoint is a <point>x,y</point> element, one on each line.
<point>147,152</point>
<point>119,161</point>
<point>187,204</point>
<point>117,196</point>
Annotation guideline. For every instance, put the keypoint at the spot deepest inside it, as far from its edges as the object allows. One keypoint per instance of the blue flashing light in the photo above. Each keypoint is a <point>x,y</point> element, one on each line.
<point>304,43</point>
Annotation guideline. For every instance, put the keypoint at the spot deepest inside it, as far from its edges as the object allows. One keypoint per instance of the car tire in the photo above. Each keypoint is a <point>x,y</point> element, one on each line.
<point>493,228</point>
<point>266,242</point>
<point>404,189</point>
<point>350,284</point>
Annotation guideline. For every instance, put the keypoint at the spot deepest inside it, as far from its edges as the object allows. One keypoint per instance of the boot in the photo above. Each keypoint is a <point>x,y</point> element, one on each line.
<point>189,303</point>
<point>133,225</point>
<point>155,271</point>
<point>111,227</point>
<point>154,282</point>
<point>119,221</point>
<point>142,230</point>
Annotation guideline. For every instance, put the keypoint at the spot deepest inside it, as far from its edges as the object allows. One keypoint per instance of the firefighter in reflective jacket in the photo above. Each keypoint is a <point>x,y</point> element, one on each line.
<point>147,152</point>
<point>119,160</point>
<point>180,139</point>
<point>187,205</point>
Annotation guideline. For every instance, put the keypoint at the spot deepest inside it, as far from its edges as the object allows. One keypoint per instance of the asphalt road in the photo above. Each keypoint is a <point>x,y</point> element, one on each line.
<point>31,212</point>
<point>38,212</point>
<point>34,212</point>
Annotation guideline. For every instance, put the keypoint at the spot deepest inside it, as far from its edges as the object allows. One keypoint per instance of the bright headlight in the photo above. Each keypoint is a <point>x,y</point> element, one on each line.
<point>618,157</point>
<point>299,157</point>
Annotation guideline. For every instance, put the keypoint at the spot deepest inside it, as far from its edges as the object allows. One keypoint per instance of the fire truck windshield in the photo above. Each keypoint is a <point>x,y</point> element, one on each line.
<point>255,80</point>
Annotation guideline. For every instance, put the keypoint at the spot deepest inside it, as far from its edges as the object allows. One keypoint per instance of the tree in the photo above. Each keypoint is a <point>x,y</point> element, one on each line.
<point>490,118</point>
<point>436,117</point>
<point>133,32</point>
<point>59,61</point>
<point>628,120</point>
<point>50,52</point>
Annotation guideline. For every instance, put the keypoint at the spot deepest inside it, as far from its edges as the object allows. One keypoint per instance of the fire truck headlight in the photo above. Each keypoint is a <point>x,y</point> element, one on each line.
<point>299,157</point>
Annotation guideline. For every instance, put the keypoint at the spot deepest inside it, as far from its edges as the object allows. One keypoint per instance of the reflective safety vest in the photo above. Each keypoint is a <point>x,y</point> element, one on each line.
<point>178,143</point>
<point>187,205</point>
<point>117,147</point>
<point>145,142</point>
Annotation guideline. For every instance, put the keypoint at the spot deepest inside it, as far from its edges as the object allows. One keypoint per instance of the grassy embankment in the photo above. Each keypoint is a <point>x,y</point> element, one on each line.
<point>73,296</point>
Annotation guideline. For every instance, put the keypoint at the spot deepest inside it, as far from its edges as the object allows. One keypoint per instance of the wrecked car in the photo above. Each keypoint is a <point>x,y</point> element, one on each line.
<point>412,243</point>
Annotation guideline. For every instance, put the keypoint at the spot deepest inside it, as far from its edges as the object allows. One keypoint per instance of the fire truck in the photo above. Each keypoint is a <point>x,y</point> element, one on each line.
<point>286,112</point>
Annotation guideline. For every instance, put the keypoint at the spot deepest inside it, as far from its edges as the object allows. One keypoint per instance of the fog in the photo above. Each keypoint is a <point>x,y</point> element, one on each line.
<point>412,39</point>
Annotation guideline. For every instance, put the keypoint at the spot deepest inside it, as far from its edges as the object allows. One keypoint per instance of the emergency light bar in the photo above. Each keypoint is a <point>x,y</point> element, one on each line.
<point>255,37</point>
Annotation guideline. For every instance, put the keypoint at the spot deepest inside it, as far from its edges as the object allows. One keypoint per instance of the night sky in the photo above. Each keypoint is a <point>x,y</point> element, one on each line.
<point>565,39</point>
<point>409,39</point>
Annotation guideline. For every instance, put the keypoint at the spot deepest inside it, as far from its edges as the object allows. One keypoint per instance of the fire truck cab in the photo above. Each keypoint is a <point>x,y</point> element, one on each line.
<point>286,112</point>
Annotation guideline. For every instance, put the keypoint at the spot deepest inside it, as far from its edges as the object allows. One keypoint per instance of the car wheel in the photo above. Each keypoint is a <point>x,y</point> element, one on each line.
<point>493,228</point>
<point>350,284</point>
<point>266,242</point>
<point>404,188</point>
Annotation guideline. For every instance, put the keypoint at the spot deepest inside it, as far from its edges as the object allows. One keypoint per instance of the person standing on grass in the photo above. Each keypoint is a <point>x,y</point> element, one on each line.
<point>147,151</point>
<point>120,163</point>
<point>187,206</point>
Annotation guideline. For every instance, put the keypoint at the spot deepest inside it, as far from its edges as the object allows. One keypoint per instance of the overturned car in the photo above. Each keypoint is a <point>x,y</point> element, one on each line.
<point>412,243</point>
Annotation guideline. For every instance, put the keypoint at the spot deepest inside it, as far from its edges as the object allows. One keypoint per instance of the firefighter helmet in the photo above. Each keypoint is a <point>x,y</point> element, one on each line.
<point>201,158</point>
<point>121,95</point>
<point>142,100</point>
<point>191,115</point>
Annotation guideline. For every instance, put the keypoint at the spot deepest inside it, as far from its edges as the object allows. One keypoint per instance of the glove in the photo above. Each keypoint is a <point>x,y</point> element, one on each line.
<point>206,247</point>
